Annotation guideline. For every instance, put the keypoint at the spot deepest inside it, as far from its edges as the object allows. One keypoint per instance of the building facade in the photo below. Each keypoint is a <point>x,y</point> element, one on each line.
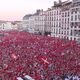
<point>41,18</point>
<point>75,20</point>
<point>67,24</point>
<point>5,26</point>
<point>36,22</point>
<point>56,29</point>
<point>61,20</point>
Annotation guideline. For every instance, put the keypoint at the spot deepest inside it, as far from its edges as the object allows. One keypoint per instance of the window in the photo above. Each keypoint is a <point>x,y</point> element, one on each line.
<point>65,20</point>
<point>75,17</point>
<point>71,32</point>
<point>65,14</point>
<point>57,12</point>
<point>72,11</point>
<point>68,20</point>
<point>59,24</point>
<point>79,17</point>
<point>68,13</point>
<point>64,32</point>
<point>74,38</point>
<point>71,18</point>
<point>62,14</point>
<point>67,32</point>
<point>52,18</point>
<point>50,13</point>
<point>59,31</point>
<point>71,38</point>
<point>67,38</point>
<point>72,24</point>
<point>54,24</point>
<point>76,24</point>
<point>54,30</point>
<point>76,11</point>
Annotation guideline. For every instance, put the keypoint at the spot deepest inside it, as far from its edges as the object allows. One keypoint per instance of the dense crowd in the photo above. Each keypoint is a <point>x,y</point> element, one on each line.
<point>41,57</point>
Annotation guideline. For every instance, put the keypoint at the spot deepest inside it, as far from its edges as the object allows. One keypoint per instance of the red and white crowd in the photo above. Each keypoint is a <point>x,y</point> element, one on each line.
<point>41,57</point>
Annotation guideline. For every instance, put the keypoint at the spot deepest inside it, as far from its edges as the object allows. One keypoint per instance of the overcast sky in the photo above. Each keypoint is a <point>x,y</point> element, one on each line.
<point>16,9</point>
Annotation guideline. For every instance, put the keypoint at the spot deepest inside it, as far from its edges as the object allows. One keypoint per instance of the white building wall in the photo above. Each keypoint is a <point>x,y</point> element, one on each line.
<point>56,22</point>
<point>25,23</point>
<point>59,20</point>
<point>41,23</point>
<point>48,20</point>
<point>65,24</point>
<point>6,26</point>
<point>75,22</point>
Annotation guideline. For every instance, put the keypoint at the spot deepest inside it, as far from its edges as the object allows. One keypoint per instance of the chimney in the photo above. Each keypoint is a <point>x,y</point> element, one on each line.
<point>55,3</point>
<point>60,1</point>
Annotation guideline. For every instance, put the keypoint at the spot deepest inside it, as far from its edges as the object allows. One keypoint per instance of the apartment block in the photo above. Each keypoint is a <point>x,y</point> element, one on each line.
<point>61,20</point>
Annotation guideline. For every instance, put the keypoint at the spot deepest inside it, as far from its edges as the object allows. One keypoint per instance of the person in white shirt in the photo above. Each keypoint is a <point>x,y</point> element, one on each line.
<point>76,78</point>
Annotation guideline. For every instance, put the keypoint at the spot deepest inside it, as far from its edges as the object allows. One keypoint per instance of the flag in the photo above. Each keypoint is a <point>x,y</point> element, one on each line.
<point>14,56</point>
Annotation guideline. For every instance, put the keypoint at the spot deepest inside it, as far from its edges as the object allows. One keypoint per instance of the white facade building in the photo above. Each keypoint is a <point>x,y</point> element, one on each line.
<point>75,20</point>
<point>56,20</point>
<point>5,26</point>
<point>26,22</point>
<point>36,22</point>
<point>67,22</point>
<point>61,20</point>
<point>48,21</point>
<point>40,25</point>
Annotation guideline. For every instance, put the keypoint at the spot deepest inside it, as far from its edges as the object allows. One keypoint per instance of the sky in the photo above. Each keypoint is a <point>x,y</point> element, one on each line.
<point>12,10</point>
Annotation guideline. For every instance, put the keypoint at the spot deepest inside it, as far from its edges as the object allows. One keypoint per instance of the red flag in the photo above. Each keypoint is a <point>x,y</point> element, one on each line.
<point>45,60</point>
